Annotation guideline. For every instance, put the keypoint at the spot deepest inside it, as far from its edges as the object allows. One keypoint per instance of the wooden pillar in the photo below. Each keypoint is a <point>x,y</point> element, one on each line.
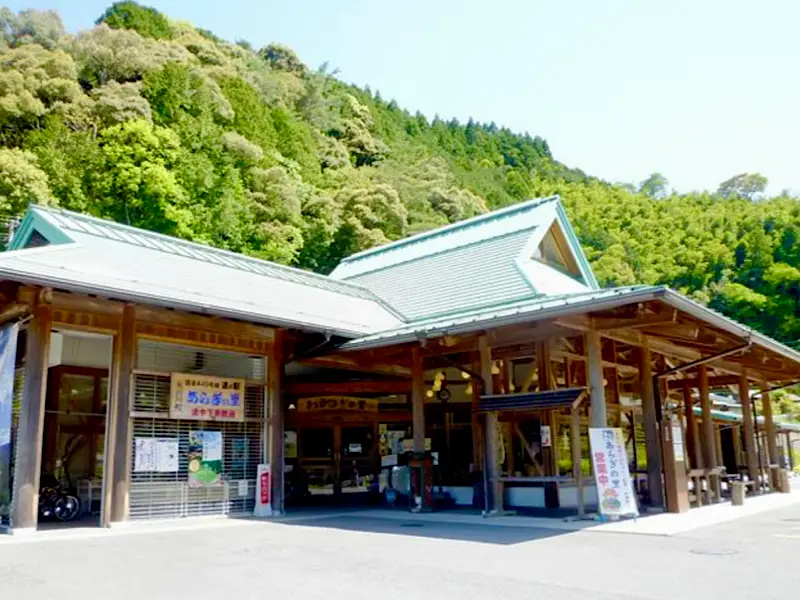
<point>737,446</point>
<point>418,399</point>
<point>477,436</point>
<point>506,379</point>
<point>709,443</point>
<point>545,376</point>
<point>692,446</point>
<point>772,436</point>
<point>597,392</point>
<point>751,456</point>
<point>789,451</point>
<point>275,365</point>
<point>575,438</point>
<point>492,460</point>
<point>124,363</point>
<point>25,509</point>
<point>651,429</point>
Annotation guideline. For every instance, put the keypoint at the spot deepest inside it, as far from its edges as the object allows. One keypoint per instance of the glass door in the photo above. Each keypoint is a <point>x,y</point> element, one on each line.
<point>317,460</point>
<point>357,462</point>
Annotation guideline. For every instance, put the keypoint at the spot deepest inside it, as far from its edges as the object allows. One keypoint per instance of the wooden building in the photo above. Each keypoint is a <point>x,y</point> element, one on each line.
<point>487,343</point>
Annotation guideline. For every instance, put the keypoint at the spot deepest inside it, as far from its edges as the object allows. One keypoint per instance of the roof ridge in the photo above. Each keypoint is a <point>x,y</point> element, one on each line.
<point>465,224</point>
<point>206,248</point>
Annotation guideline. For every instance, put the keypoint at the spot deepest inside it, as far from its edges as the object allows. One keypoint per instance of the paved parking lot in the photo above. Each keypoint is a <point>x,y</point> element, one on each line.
<point>354,557</point>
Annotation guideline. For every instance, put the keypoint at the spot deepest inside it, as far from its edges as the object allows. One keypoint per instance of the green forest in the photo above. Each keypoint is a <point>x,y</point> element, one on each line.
<point>159,124</point>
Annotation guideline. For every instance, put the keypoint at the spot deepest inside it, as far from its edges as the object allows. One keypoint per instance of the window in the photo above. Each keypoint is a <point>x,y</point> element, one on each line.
<point>554,251</point>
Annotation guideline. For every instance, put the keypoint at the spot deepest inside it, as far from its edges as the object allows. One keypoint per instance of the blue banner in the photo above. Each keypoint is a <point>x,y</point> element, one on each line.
<point>8,351</point>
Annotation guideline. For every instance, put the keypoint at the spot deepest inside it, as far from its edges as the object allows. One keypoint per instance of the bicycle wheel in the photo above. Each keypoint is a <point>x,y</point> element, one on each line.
<point>67,508</point>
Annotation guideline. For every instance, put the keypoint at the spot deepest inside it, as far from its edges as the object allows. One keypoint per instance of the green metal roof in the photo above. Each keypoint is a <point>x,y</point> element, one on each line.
<point>478,262</point>
<point>90,255</point>
<point>736,417</point>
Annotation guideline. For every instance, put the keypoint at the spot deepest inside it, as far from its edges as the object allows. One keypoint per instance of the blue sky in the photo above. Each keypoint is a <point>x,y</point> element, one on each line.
<point>698,90</point>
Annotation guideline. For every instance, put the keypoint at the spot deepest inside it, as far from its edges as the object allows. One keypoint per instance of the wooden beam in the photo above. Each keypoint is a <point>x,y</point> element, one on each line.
<point>418,399</point>
<point>638,322</point>
<point>749,427</point>
<point>345,388</point>
<point>25,509</point>
<point>122,401</point>
<point>713,382</point>
<point>354,363</point>
<point>207,323</point>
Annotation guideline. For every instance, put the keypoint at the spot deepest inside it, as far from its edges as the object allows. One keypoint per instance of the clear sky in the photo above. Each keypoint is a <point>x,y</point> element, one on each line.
<point>698,90</point>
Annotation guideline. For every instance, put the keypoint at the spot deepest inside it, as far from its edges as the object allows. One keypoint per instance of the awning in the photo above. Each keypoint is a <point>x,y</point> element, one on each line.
<point>545,400</point>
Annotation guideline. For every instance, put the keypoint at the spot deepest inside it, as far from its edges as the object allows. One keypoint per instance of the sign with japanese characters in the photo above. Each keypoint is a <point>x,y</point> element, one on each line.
<point>615,494</point>
<point>205,458</point>
<point>332,403</point>
<point>206,398</point>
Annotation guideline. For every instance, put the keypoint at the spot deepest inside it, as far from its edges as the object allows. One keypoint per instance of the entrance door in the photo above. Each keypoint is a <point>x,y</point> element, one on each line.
<point>337,461</point>
<point>357,466</point>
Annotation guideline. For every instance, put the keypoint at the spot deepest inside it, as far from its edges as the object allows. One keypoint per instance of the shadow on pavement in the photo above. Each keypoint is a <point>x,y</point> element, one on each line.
<point>486,534</point>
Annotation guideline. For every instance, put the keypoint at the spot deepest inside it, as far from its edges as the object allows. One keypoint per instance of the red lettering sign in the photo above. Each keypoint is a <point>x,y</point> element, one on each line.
<point>265,488</point>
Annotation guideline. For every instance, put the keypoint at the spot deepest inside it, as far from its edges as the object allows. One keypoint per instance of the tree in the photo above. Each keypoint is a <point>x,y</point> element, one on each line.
<point>21,182</point>
<point>745,185</point>
<point>148,22</point>
<point>117,102</point>
<point>282,58</point>
<point>655,186</point>
<point>44,28</point>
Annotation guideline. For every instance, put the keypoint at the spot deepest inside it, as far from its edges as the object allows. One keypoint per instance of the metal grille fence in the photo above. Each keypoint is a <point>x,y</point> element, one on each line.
<point>160,495</point>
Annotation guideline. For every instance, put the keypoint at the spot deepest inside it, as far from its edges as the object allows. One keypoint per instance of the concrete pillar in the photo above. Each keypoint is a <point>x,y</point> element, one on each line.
<point>25,509</point>
<point>651,429</point>
<point>125,362</point>
<point>751,456</point>
<point>418,399</point>
<point>492,461</point>
<point>772,436</point>
<point>597,391</point>
<point>275,366</point>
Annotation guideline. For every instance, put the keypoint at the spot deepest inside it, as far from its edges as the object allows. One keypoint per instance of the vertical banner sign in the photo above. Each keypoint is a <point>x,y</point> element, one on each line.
<point>8,352</point>
<point>615,495</point>
<point>263,506</point>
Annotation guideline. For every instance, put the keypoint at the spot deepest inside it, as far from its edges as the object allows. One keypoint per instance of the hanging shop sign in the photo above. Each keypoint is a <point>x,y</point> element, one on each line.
<point>205,458</point>
<point>615,492</point>
<point>8,352</point>
<point>336,403</point>
<point>206,398</point>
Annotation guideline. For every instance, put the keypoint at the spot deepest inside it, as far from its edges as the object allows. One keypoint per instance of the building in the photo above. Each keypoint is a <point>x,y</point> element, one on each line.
<point>158,374</point>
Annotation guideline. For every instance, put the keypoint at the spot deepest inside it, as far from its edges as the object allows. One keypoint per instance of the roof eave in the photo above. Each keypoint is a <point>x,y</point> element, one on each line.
<point>107,292</point>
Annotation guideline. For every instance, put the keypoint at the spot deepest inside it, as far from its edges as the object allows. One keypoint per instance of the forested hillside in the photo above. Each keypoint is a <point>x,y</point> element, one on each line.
<point>161,125</point>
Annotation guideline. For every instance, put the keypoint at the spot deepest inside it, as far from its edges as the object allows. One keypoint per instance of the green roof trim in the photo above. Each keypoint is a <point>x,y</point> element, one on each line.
<point>34,221</point>
<point>575,244</point>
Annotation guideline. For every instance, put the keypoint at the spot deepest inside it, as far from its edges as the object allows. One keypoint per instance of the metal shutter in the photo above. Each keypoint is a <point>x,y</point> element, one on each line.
<point>156,495</point>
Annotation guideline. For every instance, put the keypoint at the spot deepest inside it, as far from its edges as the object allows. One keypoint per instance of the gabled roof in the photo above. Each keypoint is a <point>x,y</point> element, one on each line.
<point>484,261</point>
<point>91,255</point>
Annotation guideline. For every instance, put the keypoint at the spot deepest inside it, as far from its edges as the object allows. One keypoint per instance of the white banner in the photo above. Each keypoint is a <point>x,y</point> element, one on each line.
<point>615,493</point>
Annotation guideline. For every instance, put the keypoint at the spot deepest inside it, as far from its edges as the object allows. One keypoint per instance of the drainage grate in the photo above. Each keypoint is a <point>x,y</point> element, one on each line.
<point>714,551</point>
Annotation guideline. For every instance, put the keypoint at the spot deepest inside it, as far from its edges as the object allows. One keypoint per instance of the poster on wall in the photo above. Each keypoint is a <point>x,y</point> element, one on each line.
<point>206,398</point>
<point>544,432</point>
<point>167,455</point>
<point>8,352</point>
<point>144,455</point>
<point>205,458</point>
<point>290,444</point>
<point>615,494</point>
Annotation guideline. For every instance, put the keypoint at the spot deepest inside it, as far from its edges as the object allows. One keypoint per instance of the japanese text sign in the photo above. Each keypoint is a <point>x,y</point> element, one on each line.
<point>206,398</point>
<point>615,494</point>
<point>326,403</point>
